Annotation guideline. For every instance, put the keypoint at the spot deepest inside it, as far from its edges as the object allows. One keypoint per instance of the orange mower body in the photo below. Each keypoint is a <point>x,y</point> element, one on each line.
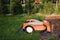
<point>36,25</point>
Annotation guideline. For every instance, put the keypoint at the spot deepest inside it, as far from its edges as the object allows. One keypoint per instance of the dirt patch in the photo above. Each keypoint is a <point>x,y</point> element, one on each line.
<point>55,21</point>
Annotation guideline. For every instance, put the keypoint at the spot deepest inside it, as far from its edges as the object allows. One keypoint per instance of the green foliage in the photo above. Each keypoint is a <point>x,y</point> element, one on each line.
<point>29,6</point>
<point>51,38</point>
<point>48,8</point>
<point>46,1</point>
<point>0,8</point>
<point>58,9</point>
<point>33,16</point>
<point>3,8</point>
<point>16,7</point>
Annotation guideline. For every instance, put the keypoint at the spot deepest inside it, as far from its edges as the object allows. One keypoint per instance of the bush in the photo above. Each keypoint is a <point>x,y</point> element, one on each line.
<point>48,8</point>
<point>4,7</point>
<point>29,6</point>
<point>17,9</point>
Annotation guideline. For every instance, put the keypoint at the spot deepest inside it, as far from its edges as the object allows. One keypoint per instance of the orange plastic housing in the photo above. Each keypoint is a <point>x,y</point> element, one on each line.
<point>39,27</point>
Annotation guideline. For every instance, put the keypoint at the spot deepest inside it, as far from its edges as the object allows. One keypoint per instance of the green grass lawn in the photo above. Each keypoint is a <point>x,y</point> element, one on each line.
<point>9,26</point>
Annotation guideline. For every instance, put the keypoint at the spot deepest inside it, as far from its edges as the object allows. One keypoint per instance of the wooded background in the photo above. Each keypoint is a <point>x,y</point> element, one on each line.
<point>15,7</point>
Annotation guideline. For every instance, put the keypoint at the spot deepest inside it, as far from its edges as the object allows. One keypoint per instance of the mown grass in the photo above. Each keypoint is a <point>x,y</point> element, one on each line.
<point>9,26</point>
<point>51,38</point>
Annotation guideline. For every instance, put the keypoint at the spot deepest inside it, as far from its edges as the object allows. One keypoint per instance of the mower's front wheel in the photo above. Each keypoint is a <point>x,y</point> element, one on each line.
<point>29,29</point>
